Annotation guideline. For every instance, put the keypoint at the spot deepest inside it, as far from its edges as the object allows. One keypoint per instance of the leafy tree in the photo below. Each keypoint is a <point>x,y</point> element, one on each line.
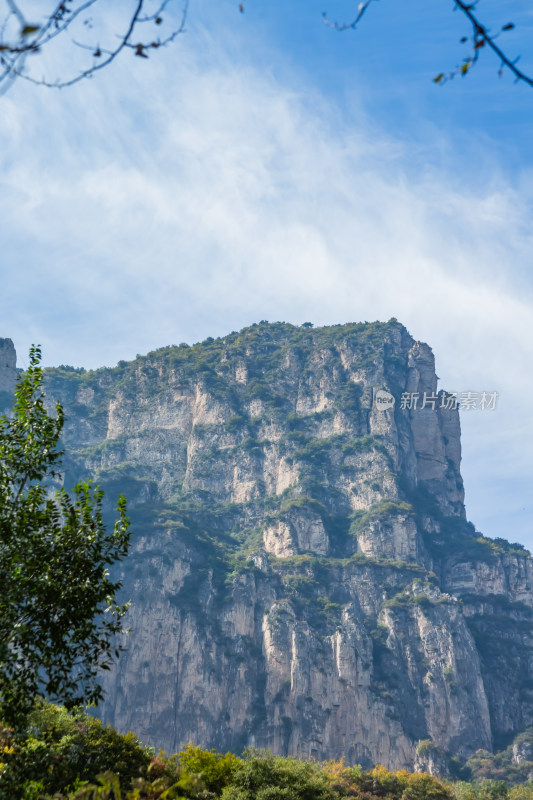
<point>481,790</point>
<point>263,776</point>
<point>63,748</point>
<point>216,769</point>
<point>58,609</point>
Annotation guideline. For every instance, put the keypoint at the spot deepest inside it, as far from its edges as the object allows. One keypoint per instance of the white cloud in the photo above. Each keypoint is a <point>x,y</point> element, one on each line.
<point>144,210</point>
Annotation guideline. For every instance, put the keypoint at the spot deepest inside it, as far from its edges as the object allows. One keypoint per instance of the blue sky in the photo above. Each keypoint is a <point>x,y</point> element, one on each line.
<point>267,167</point>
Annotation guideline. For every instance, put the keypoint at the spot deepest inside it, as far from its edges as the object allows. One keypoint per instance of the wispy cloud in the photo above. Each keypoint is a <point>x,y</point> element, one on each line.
<point>202,195</point>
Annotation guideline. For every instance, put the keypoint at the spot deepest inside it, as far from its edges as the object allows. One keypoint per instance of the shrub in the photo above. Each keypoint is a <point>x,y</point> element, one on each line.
<point>262,776</point>
<point>62,747</point>
<point>379,782</point>
<point>481,790</point>
<point>215,769</point>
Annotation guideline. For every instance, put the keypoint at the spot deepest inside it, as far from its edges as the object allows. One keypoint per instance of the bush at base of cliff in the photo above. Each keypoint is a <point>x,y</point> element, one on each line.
<point>379,782</point>
<point>217,770</point>
<point>262,776</point>
<point>62,748</point>
<point>72,756</point>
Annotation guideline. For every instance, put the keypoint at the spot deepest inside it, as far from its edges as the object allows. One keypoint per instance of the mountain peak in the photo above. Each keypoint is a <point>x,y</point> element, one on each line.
<point>302,574</point>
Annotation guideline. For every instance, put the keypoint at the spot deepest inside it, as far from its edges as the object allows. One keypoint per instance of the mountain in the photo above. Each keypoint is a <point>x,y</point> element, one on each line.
<point>302,574</point>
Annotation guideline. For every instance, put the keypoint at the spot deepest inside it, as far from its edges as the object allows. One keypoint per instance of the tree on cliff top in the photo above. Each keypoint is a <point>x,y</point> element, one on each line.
<point>58,609</point>
<point>149,25</point>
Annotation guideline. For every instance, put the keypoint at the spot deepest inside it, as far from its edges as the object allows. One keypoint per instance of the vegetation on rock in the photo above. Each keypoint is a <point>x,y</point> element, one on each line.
<point>294,546</point>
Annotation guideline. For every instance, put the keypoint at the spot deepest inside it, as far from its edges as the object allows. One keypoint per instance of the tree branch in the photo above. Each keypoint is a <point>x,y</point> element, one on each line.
<point>15,10</point>
<point>481,37</point>
<point>13,55</point>
<point>348,25</point>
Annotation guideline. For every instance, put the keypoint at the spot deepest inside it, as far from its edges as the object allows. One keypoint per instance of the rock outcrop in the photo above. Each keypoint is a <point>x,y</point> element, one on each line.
<point>302,574</point>
<point>8,372</point>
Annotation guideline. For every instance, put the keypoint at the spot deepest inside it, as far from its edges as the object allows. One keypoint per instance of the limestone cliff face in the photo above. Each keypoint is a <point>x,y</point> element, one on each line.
<point>8,372</point>
<point>302,574</point>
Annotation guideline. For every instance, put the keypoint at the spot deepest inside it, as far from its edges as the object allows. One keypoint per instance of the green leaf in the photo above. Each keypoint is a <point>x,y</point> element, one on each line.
<point>54,557</point>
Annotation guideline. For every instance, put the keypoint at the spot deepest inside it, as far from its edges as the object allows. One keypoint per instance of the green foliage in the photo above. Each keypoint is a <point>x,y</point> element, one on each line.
<point>216,770</point>
<point>303,502</point>
<point>521,792</point>
<point>481,790</point>
<point>424,747</point>
<point>349,399</point>
<point>384,510</point>
<point>331,612</point>
<point>316,451</point>
<point>263,776</point>
<point>54,558</point>
<point>380,782</point>
<point>61,747</point>
<point>235,423</point>
<point>74,756</point>
<point>406,599</point>
<point>455,534</point>
<point>487,768</point>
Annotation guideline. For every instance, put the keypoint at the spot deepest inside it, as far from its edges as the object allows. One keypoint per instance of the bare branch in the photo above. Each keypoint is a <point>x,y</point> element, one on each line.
<point>156,14</point>
<point>13,53</point>
<point>17,12</point>
<point>345,26</point>
<point>58,17</point>
<point>33,39</point>
<point>480,39</point>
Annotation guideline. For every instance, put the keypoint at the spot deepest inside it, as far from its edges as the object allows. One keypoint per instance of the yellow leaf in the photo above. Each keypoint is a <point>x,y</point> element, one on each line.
<point>29,29</point>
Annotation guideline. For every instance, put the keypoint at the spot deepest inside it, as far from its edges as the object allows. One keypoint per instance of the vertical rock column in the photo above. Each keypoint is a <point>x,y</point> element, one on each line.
<point>436,434</point>
<point>8,368</point>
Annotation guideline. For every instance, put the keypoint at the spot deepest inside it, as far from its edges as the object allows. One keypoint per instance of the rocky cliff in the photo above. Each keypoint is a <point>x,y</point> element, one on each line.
<point>8,372</point>
<point>302,574</point>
